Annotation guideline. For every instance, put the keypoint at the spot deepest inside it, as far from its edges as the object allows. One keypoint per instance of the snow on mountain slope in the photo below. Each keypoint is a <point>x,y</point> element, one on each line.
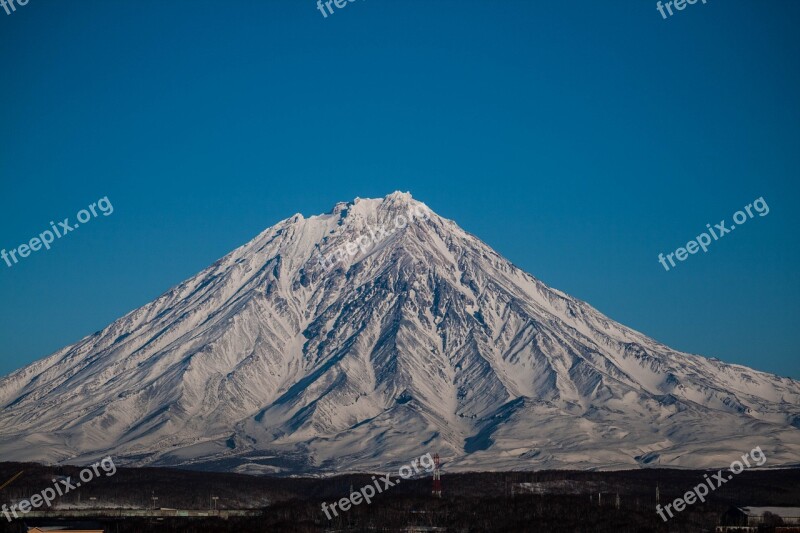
<point>271,361</point>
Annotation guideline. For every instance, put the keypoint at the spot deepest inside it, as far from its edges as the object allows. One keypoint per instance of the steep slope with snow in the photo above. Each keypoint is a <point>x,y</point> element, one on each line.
<point>300,352</point>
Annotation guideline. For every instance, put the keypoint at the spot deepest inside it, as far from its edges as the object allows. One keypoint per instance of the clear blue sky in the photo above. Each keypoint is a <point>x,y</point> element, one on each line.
<point>578,138</point>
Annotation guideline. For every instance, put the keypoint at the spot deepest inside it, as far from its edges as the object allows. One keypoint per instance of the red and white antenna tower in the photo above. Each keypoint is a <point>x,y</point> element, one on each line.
<point>437,476</point>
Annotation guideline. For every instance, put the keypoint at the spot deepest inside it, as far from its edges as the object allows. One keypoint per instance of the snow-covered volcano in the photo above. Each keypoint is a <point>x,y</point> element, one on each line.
<point>425,340</point>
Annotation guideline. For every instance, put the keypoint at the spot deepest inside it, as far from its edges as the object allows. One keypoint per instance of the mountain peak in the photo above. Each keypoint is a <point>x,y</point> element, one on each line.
<point>393,199</point>
<point>399,196</point>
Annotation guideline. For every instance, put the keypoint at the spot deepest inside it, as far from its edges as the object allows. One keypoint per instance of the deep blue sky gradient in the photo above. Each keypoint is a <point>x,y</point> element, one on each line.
<point>577,138</point>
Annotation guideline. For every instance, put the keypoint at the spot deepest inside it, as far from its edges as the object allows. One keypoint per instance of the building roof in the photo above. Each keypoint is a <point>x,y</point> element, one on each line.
<point>47,529</point>
<point>783,512</point>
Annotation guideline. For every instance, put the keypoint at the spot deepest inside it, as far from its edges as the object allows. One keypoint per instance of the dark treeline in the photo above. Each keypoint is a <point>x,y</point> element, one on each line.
<point>471,502</point>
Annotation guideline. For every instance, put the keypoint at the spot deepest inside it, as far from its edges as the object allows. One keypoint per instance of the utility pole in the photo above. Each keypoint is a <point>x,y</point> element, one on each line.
<point>437,477</point>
